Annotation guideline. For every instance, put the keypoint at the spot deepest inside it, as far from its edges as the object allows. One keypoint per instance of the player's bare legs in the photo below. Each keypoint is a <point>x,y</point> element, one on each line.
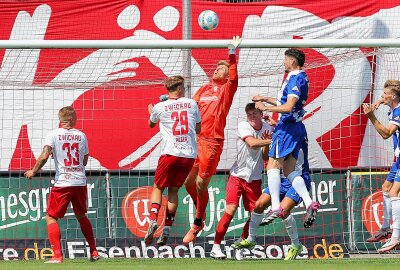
<point>87,230</point>
<point>170,213</point>
<point>54,234</point>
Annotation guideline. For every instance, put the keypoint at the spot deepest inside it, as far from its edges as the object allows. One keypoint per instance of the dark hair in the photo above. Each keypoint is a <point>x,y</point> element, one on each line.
<point>251,106</point>
<point>296,54</point>
<point>173,82</point>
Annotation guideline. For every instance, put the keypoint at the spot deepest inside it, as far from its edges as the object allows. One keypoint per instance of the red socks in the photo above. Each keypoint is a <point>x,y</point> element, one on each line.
<point>53,231</point>
<point>222,227</point>
<point>87,230</point>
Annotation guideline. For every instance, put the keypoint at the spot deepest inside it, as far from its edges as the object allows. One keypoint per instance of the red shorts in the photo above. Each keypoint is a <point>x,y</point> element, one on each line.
<point>237,187</point>
<point>208,156</point>
<point>60,197</point>
<point>172,171</point>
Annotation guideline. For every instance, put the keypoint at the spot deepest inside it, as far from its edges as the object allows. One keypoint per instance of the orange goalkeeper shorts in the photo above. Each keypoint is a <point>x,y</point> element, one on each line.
<point>209,153</point>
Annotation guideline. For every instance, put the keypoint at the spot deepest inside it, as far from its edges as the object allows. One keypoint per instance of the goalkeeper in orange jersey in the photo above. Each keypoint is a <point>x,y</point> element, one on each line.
<point>214,100</point>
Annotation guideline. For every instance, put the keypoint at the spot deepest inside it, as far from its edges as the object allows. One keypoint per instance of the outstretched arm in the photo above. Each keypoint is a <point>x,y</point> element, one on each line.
<point>284,108</point>
<point>269,100</point>
<point>40,162</point>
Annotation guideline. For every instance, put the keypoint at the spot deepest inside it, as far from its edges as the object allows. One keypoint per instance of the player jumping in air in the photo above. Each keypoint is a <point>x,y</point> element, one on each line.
<point>179,123</point>
<point>214,100</point>
<point>289,135</point>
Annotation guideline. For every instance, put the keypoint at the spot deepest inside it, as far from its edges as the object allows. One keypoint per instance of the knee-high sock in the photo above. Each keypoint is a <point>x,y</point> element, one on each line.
<point>396,217</point>
<point>255,221</point>
<point>201,206</point>
<point>387,210</point>
<point>245,232</point>
<point>299,185</point>
<point>191,190</point>
<point>54,234</point>
<point>87,230</point>
<point>274,185</point>
<point>222,227</point>
<point>291,228</point>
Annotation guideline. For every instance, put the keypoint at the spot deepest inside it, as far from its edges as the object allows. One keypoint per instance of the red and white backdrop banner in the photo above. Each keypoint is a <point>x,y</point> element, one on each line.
<point>116,121</point>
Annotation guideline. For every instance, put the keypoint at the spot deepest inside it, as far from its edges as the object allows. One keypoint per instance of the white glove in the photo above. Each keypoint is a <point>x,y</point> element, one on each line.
<point>236,40</point>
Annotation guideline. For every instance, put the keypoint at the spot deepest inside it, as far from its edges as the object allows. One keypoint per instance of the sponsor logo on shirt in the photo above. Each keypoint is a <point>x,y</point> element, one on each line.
<point>209,99</point>
<point>295,88</point>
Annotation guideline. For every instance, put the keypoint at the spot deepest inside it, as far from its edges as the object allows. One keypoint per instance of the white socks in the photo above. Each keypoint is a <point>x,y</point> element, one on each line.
<point>300,186</point>
<point>274,185</point>
<point>255,221</point>
<point>387,210</point>
<point>396,217</point>
<point>291,228</point>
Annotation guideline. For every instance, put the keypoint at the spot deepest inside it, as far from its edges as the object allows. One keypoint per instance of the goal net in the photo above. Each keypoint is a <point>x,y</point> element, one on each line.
<point>111,88</point>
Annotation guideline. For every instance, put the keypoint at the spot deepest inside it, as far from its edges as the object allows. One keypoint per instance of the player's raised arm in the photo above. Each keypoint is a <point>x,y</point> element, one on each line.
<point>40,162</point>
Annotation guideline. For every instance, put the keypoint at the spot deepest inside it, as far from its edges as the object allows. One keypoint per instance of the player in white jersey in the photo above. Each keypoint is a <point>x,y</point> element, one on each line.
<point>253,137</point>
<point>180,121</point>
<point>391,187</point>
<point>69,148</point>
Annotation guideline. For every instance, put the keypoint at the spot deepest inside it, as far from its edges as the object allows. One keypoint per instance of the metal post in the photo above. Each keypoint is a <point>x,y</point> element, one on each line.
<point>187,53</point>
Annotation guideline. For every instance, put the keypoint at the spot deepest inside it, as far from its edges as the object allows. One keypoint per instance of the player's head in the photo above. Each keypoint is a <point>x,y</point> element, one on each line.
<point>294,59</point>
<point>221,73</point>
<point>391,92</point>
<point>175,84</point>
<point>254,115</point>
<point>67,116</point>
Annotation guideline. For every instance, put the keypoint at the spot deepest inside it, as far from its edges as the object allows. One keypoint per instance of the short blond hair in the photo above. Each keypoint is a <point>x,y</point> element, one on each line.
<point>67,111</point>
<point>394,86</point>
<point>223,63</point>
<point>173,82</point>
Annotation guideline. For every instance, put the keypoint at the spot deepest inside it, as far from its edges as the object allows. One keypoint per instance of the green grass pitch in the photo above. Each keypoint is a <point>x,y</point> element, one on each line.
<point>208,264</point>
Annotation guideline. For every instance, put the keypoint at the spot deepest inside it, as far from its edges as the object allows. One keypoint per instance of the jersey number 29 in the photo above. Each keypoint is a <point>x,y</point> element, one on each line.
<point>182,119</point>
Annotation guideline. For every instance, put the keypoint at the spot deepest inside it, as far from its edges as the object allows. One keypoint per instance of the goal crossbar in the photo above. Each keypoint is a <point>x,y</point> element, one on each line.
<point>193,44</point>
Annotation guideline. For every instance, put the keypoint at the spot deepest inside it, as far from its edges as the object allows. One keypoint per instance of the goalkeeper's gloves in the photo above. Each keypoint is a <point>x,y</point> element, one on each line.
<point>236,40</point>
<point>164,97</point>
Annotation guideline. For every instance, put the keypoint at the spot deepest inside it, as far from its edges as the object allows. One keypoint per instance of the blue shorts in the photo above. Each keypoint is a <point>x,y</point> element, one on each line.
<point>288,191</point>
<point>394,174</point>
<point>287,139</point>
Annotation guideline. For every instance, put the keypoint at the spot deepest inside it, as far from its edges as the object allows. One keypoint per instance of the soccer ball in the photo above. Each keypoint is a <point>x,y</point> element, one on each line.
<point>208,20</point>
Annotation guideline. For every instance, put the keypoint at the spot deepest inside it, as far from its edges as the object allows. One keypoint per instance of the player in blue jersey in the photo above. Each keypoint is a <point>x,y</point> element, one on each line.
<point>289,135</point>
<point>288,200</point>
<point>391,187</point>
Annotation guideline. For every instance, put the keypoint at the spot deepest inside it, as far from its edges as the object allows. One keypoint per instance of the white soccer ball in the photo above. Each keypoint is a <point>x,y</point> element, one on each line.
<point>208,20</point>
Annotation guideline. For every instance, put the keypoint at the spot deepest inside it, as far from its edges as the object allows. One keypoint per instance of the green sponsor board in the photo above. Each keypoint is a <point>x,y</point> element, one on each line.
<point>365,208</point>
<point>119,207</point>
<point>131,208</point>
<point>23,206</point>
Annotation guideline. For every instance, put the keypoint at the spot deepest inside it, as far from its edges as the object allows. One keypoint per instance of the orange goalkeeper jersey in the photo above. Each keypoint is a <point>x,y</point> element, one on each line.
<point>214,101</point>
